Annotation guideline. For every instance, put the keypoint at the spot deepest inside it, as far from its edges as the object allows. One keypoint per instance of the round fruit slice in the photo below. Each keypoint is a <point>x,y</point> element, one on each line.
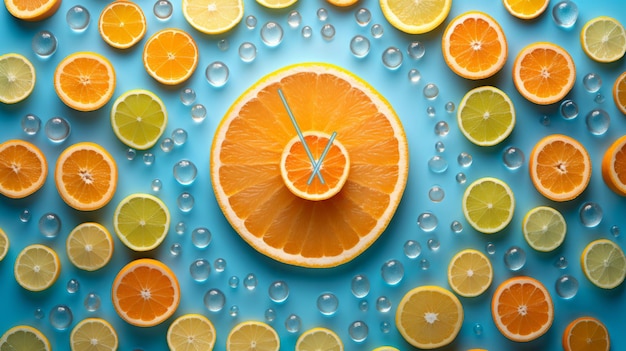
<point>138,118</point>
<point>415,17</point>
<point>488,205</point>
<point>122,24</point>
<point>170,56</point>
<point>191,332</point>
<point>319,339</point>
<point>145,292</point>
<point>23,169</point>
<point>619,92</point>
<point>276,4</point>
<point>252,335</point>
<point>522,309</point>
<point>604,264</point>
<point>86,176</point>
<point>93,334</point>
<point>4,244</point>
<point>213,17</point>
<point>385,348</point>
<point>84,81</point>
<point>544,73</point>
<point>342,3</point>
<point>89,246</point>
<point>560,167</point>
<point>486,116</point>
<point>429,317</point>
<point>603,39</point>
<point>544,228</point>
<point>526,9</point>
<point>17,78</point>
<point>37,267</point>
<point>29,10</point>
<point>474,45</point>
<point>470,273</point>
<point>141,221</point>
<point>24,338</point>
<point>586,334</point>
<point>614,166</point>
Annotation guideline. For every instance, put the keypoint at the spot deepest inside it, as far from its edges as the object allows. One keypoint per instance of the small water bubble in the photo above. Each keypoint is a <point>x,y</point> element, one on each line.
<point>566,286</point>
<point>217,73</point>
<point>223,44</point>
<point>598,121</point>
<point>50,225</point>
<point>513,157</point>
<point>327,304</point>
<point>615,231</point>
<point>363,17</point>
<point>293,323</point>
<point>358,331</point>
<point>294,19</point>
<point>440,146</point>
<point>250,281</point>
<point>561,263</point>
<point>30,124</point>
<point>514,258</point>
<point>200,270</point>
<point>57,129</point>
<point>437,164</point>
<point>198,113</point>
<point>185,172</point>
<point>461,178</point>
<point>383,304</point>
<point>328,31</point>
<point>131,154</point>
<point>247,52</point>
<point>201,237</point>
<point>167,144</point>
<point>433,244</point>
<point>385,327</point>
<point>270,315</point>
<point>430,111</point>
<point>219,264</point>
<point>307,32</point>
<point>414,76</point>
<point>464,159</point>
<point>392,58</point>
<point>278,291</point>
<point>61,317</point>
<point>427,221</point>
<point>163,9</point>
<point>392,272</point>
<point>322,14</point>
<point>431,91</point>
<point>364,305</point>
<point>185,202</point>
<point>251,22</point>
<point>92,302</point>
<point>490,248</point>
<point>25,215</point>
<point>73,286</point>
<point>156,185</point>
<point>148,158</point>
<point>565,14</point>
<point>416,50</point>
<point>179,136</point>
<point>233,311</point>
<point>44,43</point>
<point>599,99</point>
<point>360,286</point>
<point>436,193</point>
<point>39,313</point>
<point>456,227</point>
<point>478,329</point>
<point>590,214</point>
<point>272,34</point>
<point>450,107</point>
<point>359,46</point>
<point>180,228</point>
<point>592,82</point>
<point>214,300</point>
<point>78,18</point>
<point>233,282</point>
<point>176,249</point>
<point>442,128</point>
<point>377,31</point>
<point>545,120</point>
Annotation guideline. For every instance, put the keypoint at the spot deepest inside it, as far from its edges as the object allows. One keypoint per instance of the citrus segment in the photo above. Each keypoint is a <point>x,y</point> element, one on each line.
<point>604,264</point>
<point>276,4</point>
<point>603,39</point>
<point>526,9</point>
<point>17,78</point>
<point>37,267</point>
<point>141,221</point>
<point>586,334</point>
<point>474,45</point>
<point>619,92</point>
<point>89,246</point>
<point>23,168</point>
<point>486,116</point>
<point>24,338</point>
<point>560,167</point>
<point>4,244</point>
<point>145,292</point>
<point>211,16</point>
<point>252,335</point>
<point>122,24</point>
<point>488,205</point>
<point>32,10</point>
<point>319,339</point>
<point>544,228</point>
<point>614,166</point>
<point>470,273</point>
<point>415,17</point>
<point>139,118</point>
<point>191,332</point>
<point>93,334</point>
<point>170,56</point>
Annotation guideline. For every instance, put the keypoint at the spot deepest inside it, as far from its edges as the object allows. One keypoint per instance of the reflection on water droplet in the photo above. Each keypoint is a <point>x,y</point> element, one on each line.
<point>185,172</point>
<point>294,19</point>
<point>77,18</point>
<point>430,111</point>
<point>176,249</point>
<point>156,185</point>
<point>61,317</point>
<point>383,304</point>
<point>200,270</point>
<point>433,244</point>
<point>440,146</point>
<point>598,121</point>
<point>385,327</point>
<point>270,315</point>
<point>592,82</point>
<point>25,215</point>
<point>328,31</point>
<point>565,14</point>
<point>163,9</point>
<point>167,144</point>
<point>185,202</point>
<point>360,286</point>
<point>590,214</point>
<point>427,221</point>
<point>44,43</point>
<point>179,136</point>
<point>250,281</point>
<point>464,159</point>
<point>561,263</point>
<point>392,272</point>
<point>377,31</point>
<point>198,113</point>
<point>461,178</point>
<point>412,249</point>
<point>214,300</point>
<point>180,228</point>
<point>57,129</point>
<point>201,237</point>
<point>414,76</point>
<point>392,58</point>
<point>39,313</point>
<point>233,311</point>
<point>450,107</point>
<point>247,52</point>
<point>363,17</point>
<point>251,22</point>
<point>217,74</point>
<point>131,154</point>
<point>478,329</point>
<point>490,248</point>
<point>272,34</point>
<point>327,304</point>
<point>513,157</point>
<point>442,128</point>
<point>545,120</point>
<point>364,305</point>
<point>615,231</point>
<point>436,193</point>
<point>599,99</point>
<point>223,44</point>
<point>92,302</point>
<point>293,323</point>
<point>50,225</point>
<point>31,124</point>
<point>233,282</point>
<point>456,227</point>
<point>307,32</point>
<point>515,258</point>
<point>359,46</point>
<point>73,286</point>
<point>278,291</point>
<point>431,91</point>
<point>566,286</point>
<point>322,14</point>
<point>358,331</point>
<point>416,50</point>
<point>437,164</point>
<point>220,264</point>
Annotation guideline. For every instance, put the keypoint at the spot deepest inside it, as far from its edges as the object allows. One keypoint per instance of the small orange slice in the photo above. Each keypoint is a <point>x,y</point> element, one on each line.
<point>145,292</point>
<point>122,24</point>
<point>619,92</point>
<point>170,56</point>
<point>614,166</point>
<point>586,334</point>
<point>474,45</point>
<point>32,10</point>
<point>544,73</point>
<point>526,9</point>
<point>86,176</point>
<point>23,168</point>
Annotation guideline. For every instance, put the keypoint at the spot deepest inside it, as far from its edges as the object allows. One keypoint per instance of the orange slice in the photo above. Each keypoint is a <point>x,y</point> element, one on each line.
<point>526,9</point>
<point>619,92</point>
<point>544,73</point>
<point>522,309</point>
<point>23,169</point>
<point>32,10</point>
<point>85,81</point>
<point>122,24</point>
<point>586,334</point>
<point>246,160</point>
<point>614,166</point>
<point>560,167</point>
<point>474,45</point>
<point>145,292</point>
<point>86,176</point>
<point>170,56</point>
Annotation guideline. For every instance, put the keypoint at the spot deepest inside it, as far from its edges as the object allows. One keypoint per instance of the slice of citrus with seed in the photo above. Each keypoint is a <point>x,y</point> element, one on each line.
<point>522,309</point>
<point>17,78</point>
<point>141,221</point>
<point>122,24</point>
<point>586,334</point>
<point>30,10</point>
<point>526,9</point>
<point>470,273</point>
<point>560,167</point>
<point>191,332</point>
<point>23,168</point>
<point>486,116</point>
<point>544,73</point>
<point>37,267</point>
<point>319,339</point>
<point>603,39</point>
<point>544,228</point>
<point>619,92</point>
<point>614,166</point>
<point>89,246</point>
<point>211,16</point>
<point>24,338</point>
<point>415,17</point>
<point>170,56</point>
<point>86,176</point>
<point>252,335</point>
<point>604,264</point>
<point>488,205</point>
<point>4,244</point>
<point>139,118</point>
<point>276,4</point>
<point>474,45</point>
<point>429,317</point>
<point>85,81</point>
<point>145,292</point>
<point>93,334</point>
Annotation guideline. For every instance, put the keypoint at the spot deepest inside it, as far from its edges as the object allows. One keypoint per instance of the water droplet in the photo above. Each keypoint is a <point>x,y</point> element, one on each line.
<point>156,185</point>
<point>598,121</point>
<point>590,214</point>
<point>414,76</point>
<point>364,305</point>
<point>200,270</point>
<point>167,145</point>
<point>307,32</point>
<point>433,244</point>
<point>220,264</point>
<point>416,50</point>
<point>359,46</point>
<point>294,19</point>
<point>50,225</point>
<point>440,146</point>
<point>148,158</point>
<point>478,329</point>
<point>615,231</point>
<point>251,22</point>
<point>565,14</point>
<point>272,34</point>
<point>437,164</point>
<point>61,317</point>
<point>431,91</point>
<point>44,43</point>
<point>250,281</point>
<point>185,172</point>
<point>464,159</point>
<point>180,228</point>
<point>456,227</point>
<point>223,44</point>
<point>233,282</point>
<point>233,311</point>
<point>328,31</point>
<point>461,178</point>
<point>436,193</point>
<point>39,313</point>
<point>513,157</point>
<point>31,124</point>
<point>545,120</point>
<point>363,17</point>
<point>490,248</point>
<point>270,315</point>
<point>73,286</point>
<point>163,9</point>
<point>176,249</point>
<point>57,129</point>
<point>360,286</point>
<point>198,113</point>
<point>592,82</point>
<point>278,291</point>
<point>599,99</point>
<point>566,286</point>
<point>442,128</point>
<point>383,304</point>
<point>293,323</point>
<point>131,154</point>
<point>392,58</point>
<point>377,31</point>
<point>185,202</point>
<point>77,18</point>
<point>217,74</point>
<point>561,263</point>
<point>358,331</point>
<point>430,111</point>
<point>214,300</point>
<point>201,237</point>
<point>385,327</point>
<point>25,215</point>
<point>515,258</point>
<point>392,272</point>
<point>450,107</point>
<point>92,302</point>
<point>247,52</point>
<point>322,14</point>
<point>179,136</point>
<point>427,221</point>
<point>327,304</point>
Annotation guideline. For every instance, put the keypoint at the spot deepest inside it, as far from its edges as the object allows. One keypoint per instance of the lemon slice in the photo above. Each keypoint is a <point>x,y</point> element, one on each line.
<point>141,221</point>
<point>488,205</point>
<point>93,334</point>
<point>603,39</point>
<point>213,16</point>
<point>486,116</point>
<point>4,244</point>
<point>604,264</point>
<point>17,78</point>
<point>385,348</point>
<point>252,335</point>
<point>89,246</point>
<point>415,17</point>
<point>37,267</point>
<point>319,339</point>
<point>191,332</point>
<point>470,273</point>
<point>276,4</point>
<point>138,118</point>
<point>23,337</point>
<point>544,228</point>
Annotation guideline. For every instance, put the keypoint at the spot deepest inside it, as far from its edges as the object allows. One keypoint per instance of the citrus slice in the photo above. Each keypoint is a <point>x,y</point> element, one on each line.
<point>24,338</point>
<point>145,292</point>
<point>470,273</point>
<point>17,78</point>
<point>93,334</point>
<point>604,264</point>
<point>474,45</point>
<point>141,221</point>
<point>342,3</point>
<point>252,335</point>
<point>276,4</point>
<point>122,24</point>
<point>85,81</point>
<point>544,73</point>
<point>619,92</point>
<point>526,9</point>
<point>586,334</point>
<point>603,39</point>
<point>385,348</point>
<point>191,332</point>
<point>37,267</point>
<point>213,17</point>
<point>486,116</point>
<point>23,168</point>
<point>138,118</point>
<point>89,246</point>
<point>86,176</point>
<point>429,317</point>
<point>247,151</point>
<point>29,10</point>
<point>614,166</point>
<point>4,244</point>
<point>544,228</point>
<point>415,17</point>
<point>522,309</point>
<point>560,167</point>
<point>319,339</point>
<point>488,205</point>
<point>170,56</point>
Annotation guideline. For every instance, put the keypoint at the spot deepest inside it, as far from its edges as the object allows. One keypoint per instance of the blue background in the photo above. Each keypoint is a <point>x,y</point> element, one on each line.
<point>306,285</point>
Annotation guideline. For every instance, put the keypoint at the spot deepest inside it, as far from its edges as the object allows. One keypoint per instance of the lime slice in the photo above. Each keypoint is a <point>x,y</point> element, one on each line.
<point>141,221</point>
<point>17,78</point>
<point>4,244</point>
<point>470,273</point>
<point>138,118</point>
<point>604,264</point>
<point>603,39</point>
<point>89,246</point>
<point>93,334</point>
<point>488,205</point>
<point>544,228</point>
<point>486,116</point>
<point>191,332</point>
<point>23,338</point>
<point>37,267</point>
<point>319,339</point>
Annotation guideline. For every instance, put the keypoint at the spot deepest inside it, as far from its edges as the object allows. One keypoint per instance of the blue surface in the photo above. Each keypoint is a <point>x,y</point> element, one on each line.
<point>306,285</point>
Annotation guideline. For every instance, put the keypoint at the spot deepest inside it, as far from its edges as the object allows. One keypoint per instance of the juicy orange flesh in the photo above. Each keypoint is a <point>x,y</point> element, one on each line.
<point>145,293</point>
<point>544,72</point>
<point>526,6</point>
<point>561,167</point>
<point>523,309</point>
<point>171,55</point>
<point>87,176</point>
<point>123,22</point>
<point>620,93</point>
<point>19,168</point>
<point>29,5</point>
<point>85,80</point>
<point>587,335</point>
<point>475,45</point>
<point>619,164</point>
<point>416,318</point>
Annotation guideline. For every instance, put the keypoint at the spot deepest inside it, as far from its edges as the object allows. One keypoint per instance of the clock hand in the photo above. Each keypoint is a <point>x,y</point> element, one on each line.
<point>318,165</point>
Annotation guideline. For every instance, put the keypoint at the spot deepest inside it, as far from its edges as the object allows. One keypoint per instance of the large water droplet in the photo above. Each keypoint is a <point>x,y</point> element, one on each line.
<point>431,91</point>
<point>185,172</point>
<point>57,129</point>
<point>513,157</point>
<point>383,304</point>
<point>214,300</point>
<point>566,286</point>
<point>437,164</point>
<point>294,19</point>
<point>598,121</point>
<point>293,323</point>
<point>250,281</point>
<point>92,302</point>
<point>358,331</point>
<point>217,73</point>
<point>363,17</point>
<point>278,291</point>
<point>359,46</point>
<point>77,18</point>
<point>565,14</point>
<point>31,124</point>
<point>464,159</point>
<point>179,136</point>
<point>200,270</point>
<point>185,201</point>
<point>247,52</point>
<point>392,272</point>
<point>427,221</point>
<point>50,225</point>
<point>590,214</point>
<point>436,193</point>
<point>328,31</point>
<point>392,58</point>
<point>201,237</point>
<point>377,31</point>
<point>416,50</point>
<point>592,82</point>
<point>61,317</point>
<point>44,43</point>
<point>163,9</point>
<point>360,286</point>
<point>515,258</point>
<point>272,33</point>
<point>327,304</point>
